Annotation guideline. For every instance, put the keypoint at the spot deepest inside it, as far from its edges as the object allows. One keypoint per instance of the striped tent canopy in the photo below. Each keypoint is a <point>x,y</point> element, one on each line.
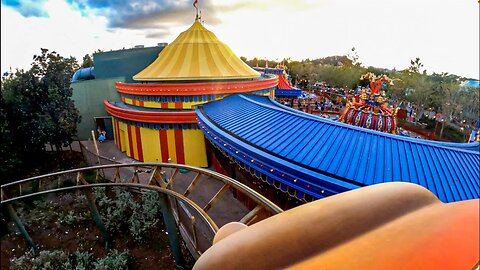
<point>284,89</point>
<point>196,55</point>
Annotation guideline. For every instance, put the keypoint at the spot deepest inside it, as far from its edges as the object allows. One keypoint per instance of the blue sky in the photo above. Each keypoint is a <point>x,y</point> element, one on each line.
<point>388,34</point>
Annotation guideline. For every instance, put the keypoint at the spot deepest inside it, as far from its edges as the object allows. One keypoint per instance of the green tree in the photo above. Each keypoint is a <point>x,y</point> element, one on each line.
<point>415,65</point>
<point>87,61</point>
<point>441,92</point>
<point>36,110</point>
<point>353,56</point>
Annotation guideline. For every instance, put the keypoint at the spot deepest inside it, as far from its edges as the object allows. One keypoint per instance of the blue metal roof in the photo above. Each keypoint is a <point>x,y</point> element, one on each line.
<point>321,157</point>
<point>288,92</point>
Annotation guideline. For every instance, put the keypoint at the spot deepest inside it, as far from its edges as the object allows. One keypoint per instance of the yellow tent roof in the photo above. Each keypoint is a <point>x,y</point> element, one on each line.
<point>196,54</point>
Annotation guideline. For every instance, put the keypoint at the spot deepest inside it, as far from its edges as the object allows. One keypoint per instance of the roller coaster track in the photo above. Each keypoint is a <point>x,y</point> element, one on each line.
<point>196,201</point>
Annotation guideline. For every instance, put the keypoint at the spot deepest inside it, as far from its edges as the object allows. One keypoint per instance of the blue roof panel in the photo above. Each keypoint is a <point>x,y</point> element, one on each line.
<point>324,154</point>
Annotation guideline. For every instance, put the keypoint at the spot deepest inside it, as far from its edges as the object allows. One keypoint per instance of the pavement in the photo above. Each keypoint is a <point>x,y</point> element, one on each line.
<point>227,208</point>
<point>108,150</point>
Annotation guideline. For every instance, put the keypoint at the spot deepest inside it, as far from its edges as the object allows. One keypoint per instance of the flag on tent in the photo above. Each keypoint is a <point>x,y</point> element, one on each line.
<point>195,5</point>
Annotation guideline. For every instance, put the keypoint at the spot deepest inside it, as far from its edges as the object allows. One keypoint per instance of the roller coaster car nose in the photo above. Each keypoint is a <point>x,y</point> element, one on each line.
<point>385,226</point>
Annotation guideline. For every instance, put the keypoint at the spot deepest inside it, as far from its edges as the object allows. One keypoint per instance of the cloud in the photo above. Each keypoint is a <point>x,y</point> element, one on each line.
<point>265,29</point>
<point>159,34</point>
<point>145,14</point>
<point>27,8</point>
<point>154,14</point>
<point>268,5</point>
<point>150,14</point>
<point>66,31</point>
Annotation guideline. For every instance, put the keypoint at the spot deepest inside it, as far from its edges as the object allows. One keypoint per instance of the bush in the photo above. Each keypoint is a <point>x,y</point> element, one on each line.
<point>125,212</point>
<point>45,260</point>
<point>113,261</point>
<point>119,210</point>
<point>59,260</point>
<point>72,218</point>
<point>145,218</point>
<point>151,205</point>
<point>83,260</point>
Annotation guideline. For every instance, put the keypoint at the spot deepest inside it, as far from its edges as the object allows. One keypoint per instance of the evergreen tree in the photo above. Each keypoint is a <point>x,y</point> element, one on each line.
<point>87,61</point>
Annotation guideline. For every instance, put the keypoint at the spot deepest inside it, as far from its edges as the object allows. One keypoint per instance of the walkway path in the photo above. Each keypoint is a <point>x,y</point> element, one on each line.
<point>225,211</point>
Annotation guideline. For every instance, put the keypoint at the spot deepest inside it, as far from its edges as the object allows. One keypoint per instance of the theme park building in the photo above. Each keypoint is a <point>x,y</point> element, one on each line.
<point>198,94</point>
<point>199,104</point>
<point>155,120</point>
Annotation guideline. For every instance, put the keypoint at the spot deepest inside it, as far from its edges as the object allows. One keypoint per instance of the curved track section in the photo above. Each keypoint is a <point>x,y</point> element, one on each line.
<point>200,200</point>
<point>309,155</point>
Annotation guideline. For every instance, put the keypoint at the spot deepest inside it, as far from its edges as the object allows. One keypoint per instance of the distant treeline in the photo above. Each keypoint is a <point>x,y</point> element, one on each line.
<point>441,92</point>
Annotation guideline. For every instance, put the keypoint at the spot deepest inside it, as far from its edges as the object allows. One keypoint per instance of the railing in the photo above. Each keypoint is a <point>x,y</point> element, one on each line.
<point>200,200</point>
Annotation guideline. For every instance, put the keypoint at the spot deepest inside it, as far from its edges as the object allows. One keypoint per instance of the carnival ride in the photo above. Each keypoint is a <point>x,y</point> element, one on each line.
<point>189,210</point>
<point>284,89</point>
<point>386,226</point>
<point>392,225</point>
<point>369,108</point>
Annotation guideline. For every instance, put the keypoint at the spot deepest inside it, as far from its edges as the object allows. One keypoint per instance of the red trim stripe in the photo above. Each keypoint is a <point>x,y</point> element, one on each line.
<point>199,88</point>
<point>129,131</point>
<point>139,143</point>
<point>179,146</point>
<point>163,144</point>
<point>171,117</point>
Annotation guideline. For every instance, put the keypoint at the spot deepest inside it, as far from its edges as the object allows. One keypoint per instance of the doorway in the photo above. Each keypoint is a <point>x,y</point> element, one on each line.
<point>104,124</point>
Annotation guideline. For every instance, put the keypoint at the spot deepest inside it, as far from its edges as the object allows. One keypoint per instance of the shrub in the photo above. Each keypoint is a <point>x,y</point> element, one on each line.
<point>59,260</point>
<point>72,218</point>
<point>125,212</point>
<point>119,211</point>
<point>115,260</point>
<point>145,218</point>
<point>45,260</point>
<point>83,260</point>
<point>151,205</point>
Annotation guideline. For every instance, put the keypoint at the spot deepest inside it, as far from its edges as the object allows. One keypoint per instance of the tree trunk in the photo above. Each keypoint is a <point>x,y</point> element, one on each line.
<point>441,130</point>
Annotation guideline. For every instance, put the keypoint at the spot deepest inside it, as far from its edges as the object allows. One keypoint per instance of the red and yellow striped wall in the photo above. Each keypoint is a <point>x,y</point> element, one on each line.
<point>182,146</point>
<point>173,105</point>
<point>162,105</point>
